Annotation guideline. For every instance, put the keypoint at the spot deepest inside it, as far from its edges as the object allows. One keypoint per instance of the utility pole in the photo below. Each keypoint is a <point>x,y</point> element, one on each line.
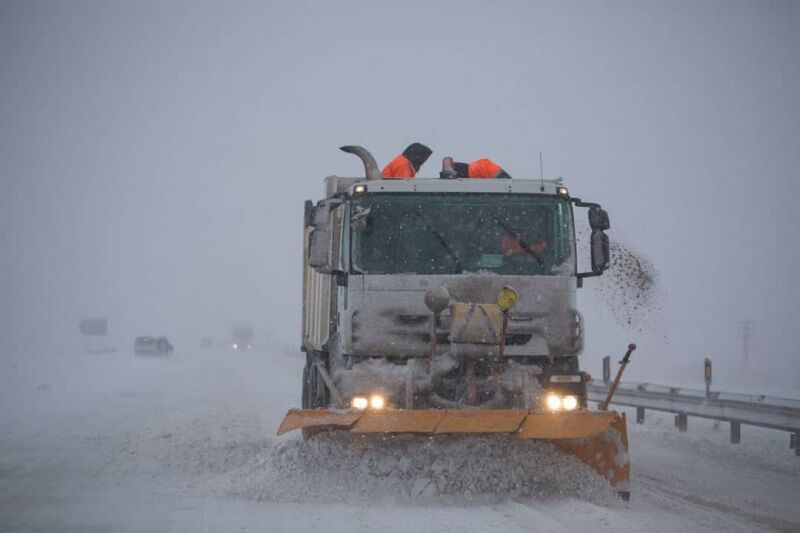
<point>746,330</point>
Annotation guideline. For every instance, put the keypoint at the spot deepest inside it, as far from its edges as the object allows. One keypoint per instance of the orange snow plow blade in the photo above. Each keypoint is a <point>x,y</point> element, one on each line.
<point>318,418</point>
<point>597,438</point>
<point>399,421</point>
<point>482,421</point>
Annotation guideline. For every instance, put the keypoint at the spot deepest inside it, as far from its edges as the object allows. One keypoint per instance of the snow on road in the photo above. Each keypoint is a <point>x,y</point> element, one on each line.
<point>186,443</point>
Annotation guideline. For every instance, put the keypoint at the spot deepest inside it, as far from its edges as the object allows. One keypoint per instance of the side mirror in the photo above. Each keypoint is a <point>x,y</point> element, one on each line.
<point>599,244</point>
<point>598,218</point>
<point>320,245</point>
<point>601,255</point>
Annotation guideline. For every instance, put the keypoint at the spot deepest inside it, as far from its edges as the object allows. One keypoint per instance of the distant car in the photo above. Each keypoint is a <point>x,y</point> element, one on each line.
<point>241,346</point>
<point>152,346</point>
<point>242,333</point>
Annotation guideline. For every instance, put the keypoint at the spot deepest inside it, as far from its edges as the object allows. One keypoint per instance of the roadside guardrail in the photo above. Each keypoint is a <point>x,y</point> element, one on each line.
<point>737,409</point>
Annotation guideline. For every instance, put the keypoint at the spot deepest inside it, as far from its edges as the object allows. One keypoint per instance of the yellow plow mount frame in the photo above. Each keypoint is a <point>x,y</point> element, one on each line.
<point>597,438</point>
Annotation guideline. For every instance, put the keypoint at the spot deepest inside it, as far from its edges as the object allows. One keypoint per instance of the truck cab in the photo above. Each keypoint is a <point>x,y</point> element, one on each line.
<point>403,287</point>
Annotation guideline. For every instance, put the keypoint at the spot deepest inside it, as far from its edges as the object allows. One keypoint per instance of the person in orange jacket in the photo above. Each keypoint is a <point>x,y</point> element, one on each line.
<point>511,246</point>
<point>407,164</point>
<point>480,169</point>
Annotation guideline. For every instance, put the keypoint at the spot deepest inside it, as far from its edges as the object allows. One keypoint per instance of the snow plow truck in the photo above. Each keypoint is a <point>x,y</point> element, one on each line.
<point>448,306</point>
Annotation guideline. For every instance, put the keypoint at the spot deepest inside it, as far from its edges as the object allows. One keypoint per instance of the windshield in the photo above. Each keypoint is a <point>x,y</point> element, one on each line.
<point>454,233</point>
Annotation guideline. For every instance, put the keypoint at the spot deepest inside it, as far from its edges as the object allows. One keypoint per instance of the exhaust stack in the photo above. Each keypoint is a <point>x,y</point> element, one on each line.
<point>370,165</point>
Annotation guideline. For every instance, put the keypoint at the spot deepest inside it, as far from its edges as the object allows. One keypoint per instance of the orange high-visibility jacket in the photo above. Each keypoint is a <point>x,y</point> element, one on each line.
<point>399,168</point>
<point>484,169</point>
<point>511,247</point>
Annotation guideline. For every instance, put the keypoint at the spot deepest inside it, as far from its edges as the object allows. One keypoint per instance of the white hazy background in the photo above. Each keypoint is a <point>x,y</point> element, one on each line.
<point>154,157</point>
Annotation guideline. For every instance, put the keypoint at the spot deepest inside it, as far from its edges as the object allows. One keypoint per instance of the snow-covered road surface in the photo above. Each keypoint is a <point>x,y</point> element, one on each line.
<point>186,443</point>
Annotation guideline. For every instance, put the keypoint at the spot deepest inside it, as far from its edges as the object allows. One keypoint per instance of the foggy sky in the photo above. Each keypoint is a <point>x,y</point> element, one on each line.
<point>154,157</point>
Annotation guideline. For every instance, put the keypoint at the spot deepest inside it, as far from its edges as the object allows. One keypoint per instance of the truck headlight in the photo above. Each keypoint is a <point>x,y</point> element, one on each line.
<point>569,402</point>
<point>359,402</point>
<point>553,402</point>
<point>556,402</point>
<point>376,401</point>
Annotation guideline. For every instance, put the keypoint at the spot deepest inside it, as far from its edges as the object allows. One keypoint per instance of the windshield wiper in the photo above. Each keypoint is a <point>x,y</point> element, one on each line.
<point>443,242</point>
<point>522,243</point>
